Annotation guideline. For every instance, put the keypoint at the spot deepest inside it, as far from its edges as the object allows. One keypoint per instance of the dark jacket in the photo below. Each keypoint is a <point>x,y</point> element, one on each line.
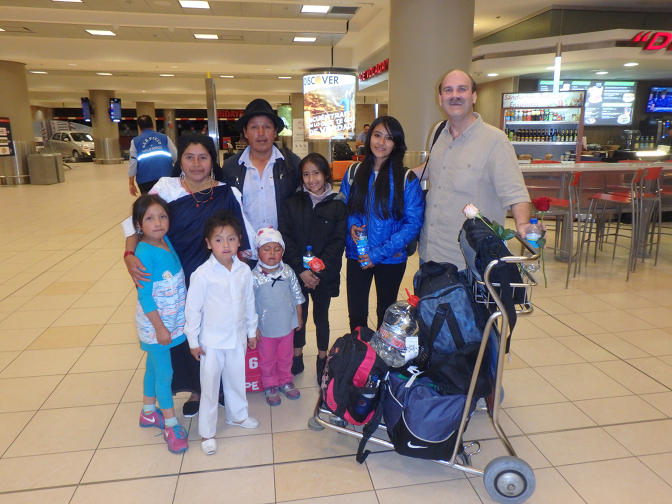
<point>323,228</point>
<point>287,178</point>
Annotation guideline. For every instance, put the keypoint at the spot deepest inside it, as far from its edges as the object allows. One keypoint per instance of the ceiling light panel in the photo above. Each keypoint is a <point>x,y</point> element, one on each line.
<point>166,75</point>
<point>305,39</point>
<point>194,4</point>
<point>103,73</point>
<point>284,77</point>
<point>38,72</point>
<point>68,1</point>
<point>226,76</point>
<point>102,33</point>
<point>205,36</point>
<point>315,9</point>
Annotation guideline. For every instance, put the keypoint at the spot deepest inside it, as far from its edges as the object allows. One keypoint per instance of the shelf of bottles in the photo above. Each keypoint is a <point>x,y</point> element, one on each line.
<point>543,119</point>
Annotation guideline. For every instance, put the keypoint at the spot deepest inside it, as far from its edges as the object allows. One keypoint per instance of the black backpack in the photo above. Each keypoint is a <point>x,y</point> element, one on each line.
<point>451,330</point>
<point>480,246</point>
<point>342,152</point>
<point>352,380</point>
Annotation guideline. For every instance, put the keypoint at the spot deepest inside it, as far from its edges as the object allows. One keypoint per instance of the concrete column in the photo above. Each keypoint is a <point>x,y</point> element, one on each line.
<point>427,39</point>
<point>145,108</point>
<point>169,126</point>
<point>105,132</point>
<point>15,105</point>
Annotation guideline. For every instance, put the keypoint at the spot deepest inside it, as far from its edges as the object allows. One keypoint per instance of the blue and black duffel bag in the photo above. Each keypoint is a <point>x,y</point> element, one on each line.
<point>421,422</point>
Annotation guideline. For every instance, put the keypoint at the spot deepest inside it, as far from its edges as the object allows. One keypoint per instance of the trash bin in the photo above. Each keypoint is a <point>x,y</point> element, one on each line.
<point>45,168</point>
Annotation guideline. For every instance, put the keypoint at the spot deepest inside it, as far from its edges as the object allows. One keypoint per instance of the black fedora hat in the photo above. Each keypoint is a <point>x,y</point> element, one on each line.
<point>258,107</point>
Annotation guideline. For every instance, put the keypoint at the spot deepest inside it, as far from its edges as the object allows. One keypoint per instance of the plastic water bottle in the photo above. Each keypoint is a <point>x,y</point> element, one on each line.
<point>307,257</point>
<point>532,236</point>
<point>399,323</point>
<point>362,244</point>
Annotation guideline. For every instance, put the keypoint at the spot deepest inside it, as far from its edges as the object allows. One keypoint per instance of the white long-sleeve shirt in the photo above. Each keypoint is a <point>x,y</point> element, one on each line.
<point>220,309</point>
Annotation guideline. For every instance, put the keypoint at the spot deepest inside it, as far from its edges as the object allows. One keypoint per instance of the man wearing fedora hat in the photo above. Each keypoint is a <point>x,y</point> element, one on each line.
<point>264,175</point>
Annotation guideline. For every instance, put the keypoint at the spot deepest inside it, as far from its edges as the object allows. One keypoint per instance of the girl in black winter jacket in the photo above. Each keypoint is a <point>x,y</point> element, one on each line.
<point>315,215</point>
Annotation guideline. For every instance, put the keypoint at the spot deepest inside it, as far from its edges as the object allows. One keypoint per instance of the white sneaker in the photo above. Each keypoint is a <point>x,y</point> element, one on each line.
<point>209,446</point>
<point>248,423</point>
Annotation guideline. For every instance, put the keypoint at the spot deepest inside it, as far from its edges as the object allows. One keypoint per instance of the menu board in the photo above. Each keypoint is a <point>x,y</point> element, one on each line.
<point>522,100</point>
<point>329,106</point>
<point>6,145</point>
<point>608,103</point>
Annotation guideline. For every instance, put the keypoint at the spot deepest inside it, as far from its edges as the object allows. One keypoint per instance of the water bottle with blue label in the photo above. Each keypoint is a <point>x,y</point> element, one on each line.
<point>307,257</point>
<point>533,234</point>
<point>362,244</point>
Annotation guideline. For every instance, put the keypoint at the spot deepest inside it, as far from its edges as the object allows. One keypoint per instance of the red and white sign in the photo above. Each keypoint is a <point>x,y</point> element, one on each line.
<point>653,40</point>
<point>252,371</point>
<point>381,67</point>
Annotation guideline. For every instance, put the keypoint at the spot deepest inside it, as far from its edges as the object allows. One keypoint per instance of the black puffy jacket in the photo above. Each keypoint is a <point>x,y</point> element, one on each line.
<point>323,228</point>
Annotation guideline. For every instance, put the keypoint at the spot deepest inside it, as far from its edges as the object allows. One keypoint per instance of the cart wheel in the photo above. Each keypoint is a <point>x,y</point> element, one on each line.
<point>463,459</point>
<point>509,480</point>
<point>314,425</point>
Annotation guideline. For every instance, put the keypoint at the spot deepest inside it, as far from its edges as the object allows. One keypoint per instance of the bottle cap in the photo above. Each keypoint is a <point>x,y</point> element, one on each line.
<point>309,247</point>
<point>534,220</point>
<point>412,299</point>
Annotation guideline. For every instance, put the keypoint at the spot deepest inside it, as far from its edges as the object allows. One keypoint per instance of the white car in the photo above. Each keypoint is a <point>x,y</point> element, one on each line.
<point>73,144</point>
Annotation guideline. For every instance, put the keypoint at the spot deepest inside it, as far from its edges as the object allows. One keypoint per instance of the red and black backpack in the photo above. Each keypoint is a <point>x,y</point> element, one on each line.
<point>352,381</point>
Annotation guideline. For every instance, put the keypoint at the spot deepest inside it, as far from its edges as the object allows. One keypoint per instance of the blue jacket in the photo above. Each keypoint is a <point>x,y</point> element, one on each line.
<point>153,156</point>
<point>387,237</point>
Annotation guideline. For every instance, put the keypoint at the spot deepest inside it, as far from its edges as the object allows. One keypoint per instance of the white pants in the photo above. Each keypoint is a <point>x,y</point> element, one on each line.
<point>229,367</point>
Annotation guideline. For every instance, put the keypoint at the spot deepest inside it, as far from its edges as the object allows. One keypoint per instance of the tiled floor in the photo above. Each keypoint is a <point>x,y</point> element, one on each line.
<point>588,390</point>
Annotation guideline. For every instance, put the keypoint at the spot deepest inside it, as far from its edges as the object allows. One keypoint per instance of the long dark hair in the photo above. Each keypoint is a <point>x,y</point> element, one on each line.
<point>185,141</point>
<point>359,191</point>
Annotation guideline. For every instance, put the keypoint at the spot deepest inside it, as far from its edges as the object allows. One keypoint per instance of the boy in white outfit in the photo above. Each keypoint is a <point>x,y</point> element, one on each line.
<point>221,319</point>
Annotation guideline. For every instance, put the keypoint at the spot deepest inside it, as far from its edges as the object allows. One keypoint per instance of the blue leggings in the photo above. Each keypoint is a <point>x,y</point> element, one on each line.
<point>159,375</point>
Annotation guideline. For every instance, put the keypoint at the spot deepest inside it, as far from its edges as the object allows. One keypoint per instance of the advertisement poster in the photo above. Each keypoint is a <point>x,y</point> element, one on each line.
<point>329,106</point>
<point>299,144</point>
<point>6,145</point>
<point>609,103</point>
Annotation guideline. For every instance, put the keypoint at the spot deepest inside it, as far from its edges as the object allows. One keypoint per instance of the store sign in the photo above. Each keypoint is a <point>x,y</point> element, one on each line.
<point>381,67</point>
<point>6,145</point>
<point>329,106</point>
<point>230,113</point>
<point>522,100</point>
<point>653,40</point>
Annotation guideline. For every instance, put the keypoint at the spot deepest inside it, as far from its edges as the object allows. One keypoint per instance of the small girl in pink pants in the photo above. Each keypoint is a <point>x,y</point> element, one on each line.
<point>278,299</point>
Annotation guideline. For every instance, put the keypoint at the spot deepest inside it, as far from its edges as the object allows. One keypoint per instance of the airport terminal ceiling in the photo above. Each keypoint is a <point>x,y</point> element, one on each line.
<point>153,53</point>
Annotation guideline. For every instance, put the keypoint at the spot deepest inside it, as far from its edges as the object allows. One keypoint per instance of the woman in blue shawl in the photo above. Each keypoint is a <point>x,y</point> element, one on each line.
<point>194,195</point>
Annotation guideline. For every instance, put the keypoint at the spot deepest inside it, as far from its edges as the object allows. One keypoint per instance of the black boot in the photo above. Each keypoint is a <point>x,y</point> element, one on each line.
<point>297,365</point>
<point>320,369</point>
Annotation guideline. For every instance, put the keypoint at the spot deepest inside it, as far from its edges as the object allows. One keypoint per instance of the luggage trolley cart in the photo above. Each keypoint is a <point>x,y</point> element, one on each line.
<point>508,479</point>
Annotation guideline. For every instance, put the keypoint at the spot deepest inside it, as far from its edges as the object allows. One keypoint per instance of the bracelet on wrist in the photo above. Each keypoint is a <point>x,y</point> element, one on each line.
<point>128,252</point>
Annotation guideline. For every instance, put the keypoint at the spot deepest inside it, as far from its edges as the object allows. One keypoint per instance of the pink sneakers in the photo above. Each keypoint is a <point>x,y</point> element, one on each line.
<point>176,438</point>
<point>153,419</point>
<point>290,391</point>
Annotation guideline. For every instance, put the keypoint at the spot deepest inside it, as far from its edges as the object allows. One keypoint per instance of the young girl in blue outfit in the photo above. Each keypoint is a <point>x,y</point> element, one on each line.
<point>387,202</point>
<point>159,317</point>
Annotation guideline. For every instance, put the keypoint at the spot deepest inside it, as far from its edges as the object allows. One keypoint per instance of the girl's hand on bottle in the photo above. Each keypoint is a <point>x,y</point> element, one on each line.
<point>197,352</point>
<point>163,336</point>
<point>354,230</point>
<point>364,258</point>
<point>309,279</point>
<point>136,270</point>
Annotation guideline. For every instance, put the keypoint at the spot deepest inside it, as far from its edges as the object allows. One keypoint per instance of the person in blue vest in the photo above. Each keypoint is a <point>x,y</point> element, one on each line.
<point>151,157</point>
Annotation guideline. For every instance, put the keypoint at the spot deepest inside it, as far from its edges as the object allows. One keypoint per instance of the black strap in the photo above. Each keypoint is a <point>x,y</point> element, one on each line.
<point>444,312</point>
<point>441,127</point>
<point>506,277</point>
<point>368,431</point>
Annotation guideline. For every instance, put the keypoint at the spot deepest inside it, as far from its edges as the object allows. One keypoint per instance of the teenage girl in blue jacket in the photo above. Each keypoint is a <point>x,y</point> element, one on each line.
<point>387,202</point>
